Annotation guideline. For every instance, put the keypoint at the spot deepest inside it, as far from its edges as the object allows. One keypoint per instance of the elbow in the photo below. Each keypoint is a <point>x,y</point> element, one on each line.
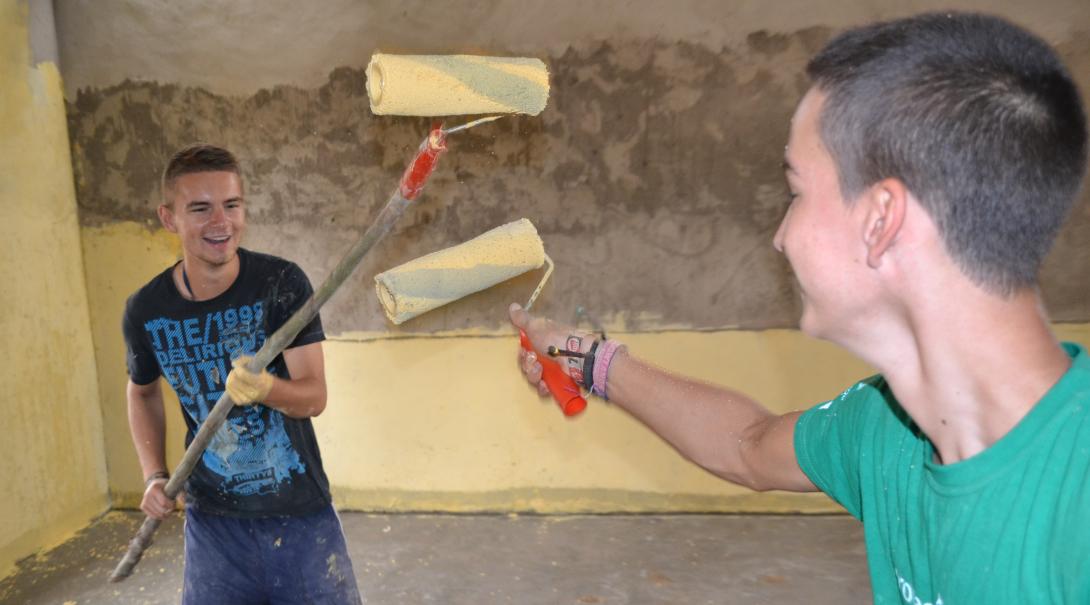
<point>317,404</point>
<point>753,465</point>
<point>309,410</point>
<point>318,399</point>
<point>733,470</point>
<point>739,475</point>
<point>755,484</point>
<point>310,407</point>
<point>741,466</point>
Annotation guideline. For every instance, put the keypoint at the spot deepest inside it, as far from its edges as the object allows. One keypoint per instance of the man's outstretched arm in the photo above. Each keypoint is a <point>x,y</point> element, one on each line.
<point>724,431</point>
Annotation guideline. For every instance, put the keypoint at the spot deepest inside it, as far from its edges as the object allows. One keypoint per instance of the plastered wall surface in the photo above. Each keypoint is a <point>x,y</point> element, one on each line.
<point>253,44</point>
<point>53,471</point>
<point>653,177</point>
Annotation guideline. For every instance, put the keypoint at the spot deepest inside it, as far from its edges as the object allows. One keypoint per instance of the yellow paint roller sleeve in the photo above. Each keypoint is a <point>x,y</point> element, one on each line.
<point>445,85</point>
<point>444,276</point>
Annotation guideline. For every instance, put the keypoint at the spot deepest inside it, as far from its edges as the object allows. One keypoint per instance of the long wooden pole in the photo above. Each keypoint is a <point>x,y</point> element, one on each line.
<point>412,182</point>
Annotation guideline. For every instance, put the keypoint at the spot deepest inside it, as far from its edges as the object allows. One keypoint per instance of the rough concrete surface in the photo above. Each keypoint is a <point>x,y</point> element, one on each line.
<point>452,560</point>
<point>654,177</point>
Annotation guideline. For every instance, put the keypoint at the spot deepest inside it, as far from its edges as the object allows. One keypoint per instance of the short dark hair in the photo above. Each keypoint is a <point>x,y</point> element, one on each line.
<point>980,120</point>
<point>198,158</point>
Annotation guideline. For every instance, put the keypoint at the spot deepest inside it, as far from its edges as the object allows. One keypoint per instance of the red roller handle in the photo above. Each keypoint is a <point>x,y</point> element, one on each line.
<point>563,388</point>
<point>412,182</point>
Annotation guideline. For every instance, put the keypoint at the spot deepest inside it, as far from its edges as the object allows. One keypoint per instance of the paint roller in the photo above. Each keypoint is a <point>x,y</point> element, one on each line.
<point>407,85</point>
<point>438,85</point>
<point>447,275</point>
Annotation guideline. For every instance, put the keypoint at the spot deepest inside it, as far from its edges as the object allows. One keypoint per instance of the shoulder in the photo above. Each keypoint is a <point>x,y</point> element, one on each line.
<point>832,439</point>
<point>1072,392</point>
<point>151,294</point>
<point>268,264</point>
<point>261,260</point>
<point>867,406</point>
<point>1080,366</point>
<point>866,390</point>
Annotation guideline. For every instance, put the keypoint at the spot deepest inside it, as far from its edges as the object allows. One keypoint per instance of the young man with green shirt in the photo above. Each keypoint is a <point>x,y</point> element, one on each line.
<point>930,167</point>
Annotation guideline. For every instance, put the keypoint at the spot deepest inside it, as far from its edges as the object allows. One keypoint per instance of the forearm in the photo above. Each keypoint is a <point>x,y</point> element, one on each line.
<point>711,426</point>
<point>722,430</point>
<point>298,398</point>
<point>147,423</point>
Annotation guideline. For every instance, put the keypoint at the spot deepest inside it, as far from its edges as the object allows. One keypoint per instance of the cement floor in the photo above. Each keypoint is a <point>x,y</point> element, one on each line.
<point>455,559</point>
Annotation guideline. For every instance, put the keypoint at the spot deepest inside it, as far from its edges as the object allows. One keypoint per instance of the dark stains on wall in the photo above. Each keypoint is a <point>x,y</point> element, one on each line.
<point>653,177</point>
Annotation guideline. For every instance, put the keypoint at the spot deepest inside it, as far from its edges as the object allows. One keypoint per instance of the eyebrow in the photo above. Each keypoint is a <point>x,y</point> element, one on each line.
<point>228,200</point>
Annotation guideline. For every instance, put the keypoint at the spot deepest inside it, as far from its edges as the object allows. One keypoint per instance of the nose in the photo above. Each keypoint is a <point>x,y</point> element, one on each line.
<point>777,240</point>
<point>219,215</point>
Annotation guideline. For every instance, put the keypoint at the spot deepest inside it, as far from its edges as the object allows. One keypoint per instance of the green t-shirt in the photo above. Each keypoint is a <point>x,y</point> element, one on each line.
<point>1008,525</point>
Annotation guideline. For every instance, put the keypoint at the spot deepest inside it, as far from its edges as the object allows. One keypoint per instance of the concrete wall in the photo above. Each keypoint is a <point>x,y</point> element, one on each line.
<point>53,472</point>
<point>653,176</point>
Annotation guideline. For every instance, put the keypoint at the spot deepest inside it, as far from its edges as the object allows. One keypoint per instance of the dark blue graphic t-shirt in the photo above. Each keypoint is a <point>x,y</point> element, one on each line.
<point>261,462</point>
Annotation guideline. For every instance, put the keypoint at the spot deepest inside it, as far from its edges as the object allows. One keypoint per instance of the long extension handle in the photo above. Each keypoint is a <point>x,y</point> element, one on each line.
<point>412,182</point>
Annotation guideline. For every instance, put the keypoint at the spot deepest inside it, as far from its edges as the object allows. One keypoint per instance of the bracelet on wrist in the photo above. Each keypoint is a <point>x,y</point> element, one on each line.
<point>588,366</point>
<point>602,360</point>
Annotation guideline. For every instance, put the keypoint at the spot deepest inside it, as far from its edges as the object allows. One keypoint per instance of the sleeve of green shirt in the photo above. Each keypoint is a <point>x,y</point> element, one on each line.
<point>829,438</point>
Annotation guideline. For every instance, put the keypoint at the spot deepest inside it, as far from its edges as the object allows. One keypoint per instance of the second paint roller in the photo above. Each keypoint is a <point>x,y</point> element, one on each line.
<point>447,275</point>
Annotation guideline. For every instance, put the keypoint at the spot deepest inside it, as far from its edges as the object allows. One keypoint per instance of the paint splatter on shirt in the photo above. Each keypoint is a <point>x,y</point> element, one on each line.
<point>260,462</point>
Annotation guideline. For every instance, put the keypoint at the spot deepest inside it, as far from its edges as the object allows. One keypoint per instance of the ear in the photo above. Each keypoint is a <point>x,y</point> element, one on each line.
<point>886,202</point>
<point>166,217</point>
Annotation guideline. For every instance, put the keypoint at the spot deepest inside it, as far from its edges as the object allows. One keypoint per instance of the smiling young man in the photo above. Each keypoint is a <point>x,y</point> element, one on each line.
<point>930,167</point>
<point>260,524</point>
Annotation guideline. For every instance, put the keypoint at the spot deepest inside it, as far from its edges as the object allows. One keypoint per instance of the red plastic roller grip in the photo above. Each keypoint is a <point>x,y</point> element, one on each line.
<point>412,182</point>
<point>563,388</point>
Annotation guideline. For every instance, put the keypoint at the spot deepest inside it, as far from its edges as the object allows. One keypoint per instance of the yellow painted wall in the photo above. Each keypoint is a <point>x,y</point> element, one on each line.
<point>447,423</point>
<point>450,424</point>
<point>53,471</point>
<point>118,260</point>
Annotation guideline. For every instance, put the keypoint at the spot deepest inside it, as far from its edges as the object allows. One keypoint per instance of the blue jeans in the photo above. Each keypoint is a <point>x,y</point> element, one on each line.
<point>266,561</point>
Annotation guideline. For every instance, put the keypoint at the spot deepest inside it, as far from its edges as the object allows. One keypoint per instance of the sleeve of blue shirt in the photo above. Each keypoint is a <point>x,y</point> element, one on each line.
<point>139,359</point>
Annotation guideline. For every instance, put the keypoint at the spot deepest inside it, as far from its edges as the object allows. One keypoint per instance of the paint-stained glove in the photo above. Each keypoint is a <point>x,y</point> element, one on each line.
<point>243,386</point>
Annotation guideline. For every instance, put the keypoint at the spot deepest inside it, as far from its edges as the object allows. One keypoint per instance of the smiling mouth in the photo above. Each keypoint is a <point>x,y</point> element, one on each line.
<point>218,240</point>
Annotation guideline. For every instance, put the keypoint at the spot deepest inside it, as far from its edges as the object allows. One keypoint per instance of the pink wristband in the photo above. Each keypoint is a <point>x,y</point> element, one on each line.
<point>602,358</point>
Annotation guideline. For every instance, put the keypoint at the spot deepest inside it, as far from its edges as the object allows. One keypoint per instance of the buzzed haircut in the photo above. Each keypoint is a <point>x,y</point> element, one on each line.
<point>980,120</point>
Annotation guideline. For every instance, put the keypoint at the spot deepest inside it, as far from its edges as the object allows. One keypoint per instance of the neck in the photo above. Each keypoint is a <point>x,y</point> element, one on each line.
<point>968,371</point>
<point>205,280</point>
